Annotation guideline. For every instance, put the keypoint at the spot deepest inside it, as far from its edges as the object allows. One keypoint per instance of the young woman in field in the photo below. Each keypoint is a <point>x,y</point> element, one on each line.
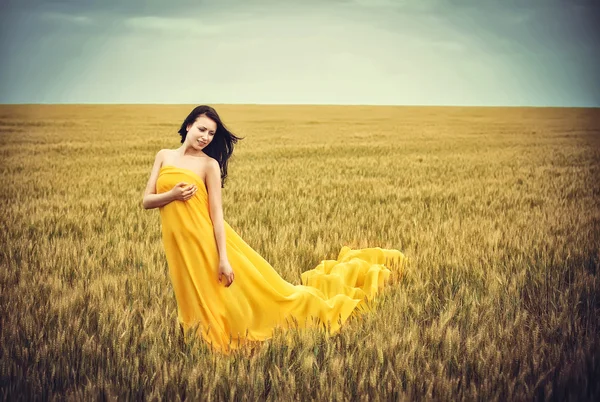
<point>224,289</point>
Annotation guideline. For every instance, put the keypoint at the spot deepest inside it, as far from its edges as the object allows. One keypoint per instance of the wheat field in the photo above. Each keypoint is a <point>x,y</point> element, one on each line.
<point>497,210</point>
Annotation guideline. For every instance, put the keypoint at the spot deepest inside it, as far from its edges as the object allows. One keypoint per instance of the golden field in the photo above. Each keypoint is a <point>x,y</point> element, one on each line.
<point>497,210</point>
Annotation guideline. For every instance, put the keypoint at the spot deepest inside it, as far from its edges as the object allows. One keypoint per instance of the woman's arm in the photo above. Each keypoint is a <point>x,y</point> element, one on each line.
<point>213,186</point>
<point>151,199</point>
<point>157,200</point>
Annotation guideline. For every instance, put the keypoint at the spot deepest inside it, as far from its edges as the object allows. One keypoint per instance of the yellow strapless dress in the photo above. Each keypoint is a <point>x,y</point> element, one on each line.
<point>258,300</point>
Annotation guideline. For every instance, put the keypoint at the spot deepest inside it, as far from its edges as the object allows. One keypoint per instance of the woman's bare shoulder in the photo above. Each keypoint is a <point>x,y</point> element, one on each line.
<point>166,151</point>
<point>164,155</point>
<point>212,162</point>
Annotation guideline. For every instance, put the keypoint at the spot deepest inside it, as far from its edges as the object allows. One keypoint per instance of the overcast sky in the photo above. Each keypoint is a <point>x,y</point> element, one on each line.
<point>395,52</point>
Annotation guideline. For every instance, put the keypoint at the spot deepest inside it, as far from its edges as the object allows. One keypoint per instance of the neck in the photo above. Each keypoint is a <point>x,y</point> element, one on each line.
<point>188,150</point>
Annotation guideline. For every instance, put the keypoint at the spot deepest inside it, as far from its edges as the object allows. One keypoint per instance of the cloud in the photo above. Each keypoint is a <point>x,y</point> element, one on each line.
<point>173,25</point>
<point>67,18</point>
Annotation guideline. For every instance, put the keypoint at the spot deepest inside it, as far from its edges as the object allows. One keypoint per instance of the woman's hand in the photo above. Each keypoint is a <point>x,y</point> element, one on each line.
<point>183,192</point>
<point>226,273</point>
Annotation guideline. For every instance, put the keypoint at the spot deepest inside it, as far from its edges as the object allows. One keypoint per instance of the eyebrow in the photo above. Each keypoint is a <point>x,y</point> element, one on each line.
<point>210,131</point>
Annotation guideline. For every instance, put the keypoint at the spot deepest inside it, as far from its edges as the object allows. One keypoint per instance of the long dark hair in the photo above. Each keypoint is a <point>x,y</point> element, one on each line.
<point>221,147</point>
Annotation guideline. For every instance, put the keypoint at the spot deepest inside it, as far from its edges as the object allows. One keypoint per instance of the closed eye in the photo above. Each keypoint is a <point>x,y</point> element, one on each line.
<point>203,129</point>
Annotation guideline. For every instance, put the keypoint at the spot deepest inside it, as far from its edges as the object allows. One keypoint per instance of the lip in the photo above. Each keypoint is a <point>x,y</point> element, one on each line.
<point>202,143</point>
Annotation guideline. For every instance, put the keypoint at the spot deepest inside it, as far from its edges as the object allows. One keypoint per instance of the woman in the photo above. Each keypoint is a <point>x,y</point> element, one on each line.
<point>222,286</point>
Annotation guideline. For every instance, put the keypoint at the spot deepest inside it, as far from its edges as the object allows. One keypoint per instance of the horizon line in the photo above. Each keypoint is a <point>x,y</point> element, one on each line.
<point>299,104</point>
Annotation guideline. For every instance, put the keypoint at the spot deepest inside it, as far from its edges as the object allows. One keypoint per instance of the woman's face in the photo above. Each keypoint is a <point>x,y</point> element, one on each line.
<point>201,132</point>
